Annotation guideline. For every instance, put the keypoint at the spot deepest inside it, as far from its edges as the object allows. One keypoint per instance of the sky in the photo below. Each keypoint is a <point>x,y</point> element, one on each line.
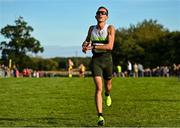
<point>61,25</point>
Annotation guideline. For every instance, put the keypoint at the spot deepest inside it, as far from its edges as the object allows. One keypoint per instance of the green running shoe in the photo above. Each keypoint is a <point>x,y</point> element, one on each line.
<point>108,101</point>
<point>100,121</point>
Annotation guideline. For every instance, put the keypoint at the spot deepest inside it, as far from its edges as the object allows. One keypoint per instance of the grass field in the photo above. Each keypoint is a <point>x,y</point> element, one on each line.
<point>51,102</point>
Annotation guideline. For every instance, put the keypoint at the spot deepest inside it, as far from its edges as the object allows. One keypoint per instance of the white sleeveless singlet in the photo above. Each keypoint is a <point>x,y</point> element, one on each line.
<point>99,37</point>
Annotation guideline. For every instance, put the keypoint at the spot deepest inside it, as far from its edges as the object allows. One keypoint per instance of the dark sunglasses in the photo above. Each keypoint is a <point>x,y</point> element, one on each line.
<point>101,12</point>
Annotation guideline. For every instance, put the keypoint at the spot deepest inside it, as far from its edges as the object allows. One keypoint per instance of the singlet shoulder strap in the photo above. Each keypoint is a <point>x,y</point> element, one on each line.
<point>92,27</point>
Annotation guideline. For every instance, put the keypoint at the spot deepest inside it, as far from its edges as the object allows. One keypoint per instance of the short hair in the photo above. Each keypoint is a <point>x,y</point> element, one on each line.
<point>104,8</point>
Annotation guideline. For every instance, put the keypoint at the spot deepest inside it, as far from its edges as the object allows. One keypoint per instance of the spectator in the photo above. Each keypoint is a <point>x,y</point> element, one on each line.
<point>140,70</point>
<point>129,67</point>
<point>119,70</point>
<point>82,70</point>
<point>135,70</point>
<point>70,67</point>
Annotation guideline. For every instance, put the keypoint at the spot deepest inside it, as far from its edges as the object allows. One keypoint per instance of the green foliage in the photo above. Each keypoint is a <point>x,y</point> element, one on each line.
<point>19,42</point>
<point>148,43</point>
<point>62,62</point>
<point>38,63</point>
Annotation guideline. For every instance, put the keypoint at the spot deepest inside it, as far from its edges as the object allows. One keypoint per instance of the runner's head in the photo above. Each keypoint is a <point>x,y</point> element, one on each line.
<point>103,9</point>
<point>101,14</point>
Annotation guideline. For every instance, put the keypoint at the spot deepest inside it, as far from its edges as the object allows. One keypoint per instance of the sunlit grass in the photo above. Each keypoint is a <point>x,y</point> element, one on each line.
<point>70,102</point>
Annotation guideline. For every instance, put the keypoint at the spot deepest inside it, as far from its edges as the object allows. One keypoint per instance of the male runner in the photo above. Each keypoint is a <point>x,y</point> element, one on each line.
<point>100,39</point>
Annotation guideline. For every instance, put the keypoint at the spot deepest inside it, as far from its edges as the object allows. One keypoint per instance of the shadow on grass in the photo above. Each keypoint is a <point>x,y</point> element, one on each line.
<point>155,100</point>
<point>40,122</point>
<point>45,121</point>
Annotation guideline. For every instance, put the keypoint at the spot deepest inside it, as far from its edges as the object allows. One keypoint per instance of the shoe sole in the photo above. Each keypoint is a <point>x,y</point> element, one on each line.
<point>101,123</point>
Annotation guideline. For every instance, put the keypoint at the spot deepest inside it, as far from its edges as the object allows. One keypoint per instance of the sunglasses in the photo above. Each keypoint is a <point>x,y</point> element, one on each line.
<point>101,12</point>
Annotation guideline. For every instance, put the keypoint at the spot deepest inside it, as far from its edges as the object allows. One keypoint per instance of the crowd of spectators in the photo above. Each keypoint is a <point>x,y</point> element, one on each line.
<point>133,70</point>
<point>137,70</point>
<point>14,72</point>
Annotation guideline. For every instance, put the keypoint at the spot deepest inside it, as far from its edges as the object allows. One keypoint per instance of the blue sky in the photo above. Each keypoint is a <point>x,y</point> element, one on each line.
<point>64,23</point>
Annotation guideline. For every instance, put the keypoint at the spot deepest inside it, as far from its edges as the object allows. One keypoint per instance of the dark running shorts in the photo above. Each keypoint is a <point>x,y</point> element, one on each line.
<point>102,65</point>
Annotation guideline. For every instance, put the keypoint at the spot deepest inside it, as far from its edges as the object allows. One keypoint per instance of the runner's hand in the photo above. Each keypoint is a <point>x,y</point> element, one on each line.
<point>86,46</point>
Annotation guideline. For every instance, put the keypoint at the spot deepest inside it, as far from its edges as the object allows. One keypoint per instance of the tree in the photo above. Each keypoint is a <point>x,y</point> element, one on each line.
<point>144,43</point>
<point>19,42</point>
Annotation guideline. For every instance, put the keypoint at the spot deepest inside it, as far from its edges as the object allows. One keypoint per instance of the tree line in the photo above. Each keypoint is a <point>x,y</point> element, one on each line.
<point>147,42</point>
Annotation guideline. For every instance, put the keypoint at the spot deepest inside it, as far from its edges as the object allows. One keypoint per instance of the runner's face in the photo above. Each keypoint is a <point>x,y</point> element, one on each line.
<point>101,15</point>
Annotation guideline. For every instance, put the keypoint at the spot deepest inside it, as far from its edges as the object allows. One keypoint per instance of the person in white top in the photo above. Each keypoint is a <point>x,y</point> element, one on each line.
<point>100,39</point>
<point>129,67</point>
